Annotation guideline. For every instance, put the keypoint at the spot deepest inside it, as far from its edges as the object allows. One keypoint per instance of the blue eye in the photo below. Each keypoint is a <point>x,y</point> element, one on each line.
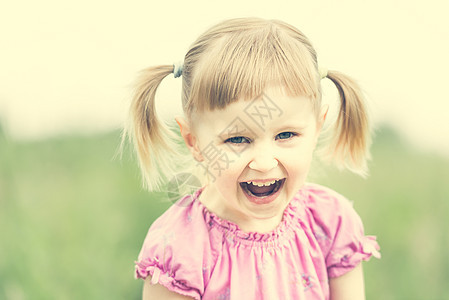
<point>285,135</point>
<point>237,140</point>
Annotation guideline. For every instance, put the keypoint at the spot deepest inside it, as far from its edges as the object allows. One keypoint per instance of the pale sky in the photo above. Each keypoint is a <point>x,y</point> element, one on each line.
<point>68,66</point>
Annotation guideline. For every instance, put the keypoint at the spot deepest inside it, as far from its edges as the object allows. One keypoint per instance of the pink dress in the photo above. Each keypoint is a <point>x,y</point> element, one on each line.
<point>193,252</point>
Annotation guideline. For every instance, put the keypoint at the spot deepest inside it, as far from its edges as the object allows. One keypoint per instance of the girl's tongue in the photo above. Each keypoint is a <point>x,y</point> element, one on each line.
<point>260,190</point>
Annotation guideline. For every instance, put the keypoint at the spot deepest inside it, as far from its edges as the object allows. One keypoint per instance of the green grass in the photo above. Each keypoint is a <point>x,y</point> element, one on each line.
<point>73,219</point>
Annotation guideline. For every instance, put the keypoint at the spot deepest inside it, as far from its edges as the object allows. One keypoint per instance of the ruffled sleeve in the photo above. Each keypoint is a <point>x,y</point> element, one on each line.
<point>339,231</point>
<point>175,250</point>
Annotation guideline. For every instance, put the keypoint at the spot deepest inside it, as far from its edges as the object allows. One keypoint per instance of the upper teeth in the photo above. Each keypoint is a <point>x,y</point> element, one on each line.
<point>261,183</point>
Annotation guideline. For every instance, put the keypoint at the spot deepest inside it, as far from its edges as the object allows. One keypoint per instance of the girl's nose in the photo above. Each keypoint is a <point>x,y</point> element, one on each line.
<point>263,160</point>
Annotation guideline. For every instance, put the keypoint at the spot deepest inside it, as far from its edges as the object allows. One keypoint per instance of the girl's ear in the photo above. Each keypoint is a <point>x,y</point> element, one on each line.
<point>322,116</point>
<point>190,139</point>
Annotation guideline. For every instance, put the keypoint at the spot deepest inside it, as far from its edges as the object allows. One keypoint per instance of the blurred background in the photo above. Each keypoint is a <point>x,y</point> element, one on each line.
<point>73,216</point>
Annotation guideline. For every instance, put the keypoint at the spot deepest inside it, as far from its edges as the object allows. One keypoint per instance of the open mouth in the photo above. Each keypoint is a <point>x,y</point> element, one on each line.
<point>261,190</point>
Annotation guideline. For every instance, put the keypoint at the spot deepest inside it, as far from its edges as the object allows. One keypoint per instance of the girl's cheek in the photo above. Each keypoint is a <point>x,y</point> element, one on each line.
<point>291,156</point>
<point>225,164</point>
<point>239,156</point>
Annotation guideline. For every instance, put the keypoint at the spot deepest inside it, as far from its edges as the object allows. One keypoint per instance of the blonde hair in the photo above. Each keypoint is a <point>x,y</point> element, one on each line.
<point>239,59</point>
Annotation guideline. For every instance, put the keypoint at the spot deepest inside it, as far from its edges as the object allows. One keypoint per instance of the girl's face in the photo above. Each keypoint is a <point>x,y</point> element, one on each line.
<point>257,155</point>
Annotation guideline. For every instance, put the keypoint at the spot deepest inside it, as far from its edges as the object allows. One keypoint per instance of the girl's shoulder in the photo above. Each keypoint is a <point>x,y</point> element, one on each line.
<point>177,245</point>
<point>326,210</point>
<point>325,203</point>
<point>181,217</point>
<point>337,228</point>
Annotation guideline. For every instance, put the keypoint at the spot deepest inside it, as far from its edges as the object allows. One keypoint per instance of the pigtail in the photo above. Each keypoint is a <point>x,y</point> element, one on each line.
<point>154,142</point>
<point>349,146</point>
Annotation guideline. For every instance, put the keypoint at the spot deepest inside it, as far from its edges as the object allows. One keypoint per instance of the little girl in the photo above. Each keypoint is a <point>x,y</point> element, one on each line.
<point>255,229</point>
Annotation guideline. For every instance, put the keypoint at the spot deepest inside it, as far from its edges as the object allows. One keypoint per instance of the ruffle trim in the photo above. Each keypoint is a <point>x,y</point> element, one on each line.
<point>233,231</point>
<point>341,263</point>
<point>166,279</point>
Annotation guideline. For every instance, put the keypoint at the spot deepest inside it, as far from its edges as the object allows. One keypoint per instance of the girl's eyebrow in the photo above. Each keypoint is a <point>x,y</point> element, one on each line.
<point>243,131</point>
<point>287,127</point>
<point>228,133</point>
<point>235,129</point>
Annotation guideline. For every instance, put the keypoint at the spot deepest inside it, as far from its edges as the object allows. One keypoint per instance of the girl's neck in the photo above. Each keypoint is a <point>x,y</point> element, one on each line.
<point>212,201</point>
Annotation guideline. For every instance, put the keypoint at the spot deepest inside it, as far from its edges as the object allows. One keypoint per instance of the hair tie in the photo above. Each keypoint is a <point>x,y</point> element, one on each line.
<point>177,69</point>
<point>323,72</point>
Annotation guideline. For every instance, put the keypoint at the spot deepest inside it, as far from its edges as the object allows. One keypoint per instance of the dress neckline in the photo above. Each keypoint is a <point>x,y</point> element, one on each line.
<point>235,234</point>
